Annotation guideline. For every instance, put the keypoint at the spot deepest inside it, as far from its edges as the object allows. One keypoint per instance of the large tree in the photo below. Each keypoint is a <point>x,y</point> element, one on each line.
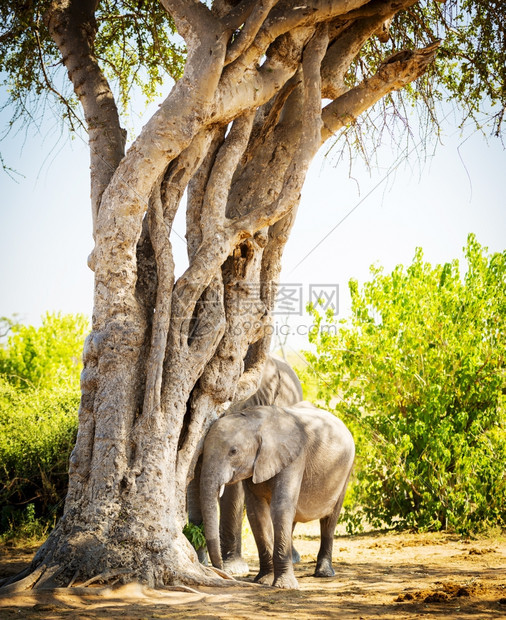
<point>259,86</point>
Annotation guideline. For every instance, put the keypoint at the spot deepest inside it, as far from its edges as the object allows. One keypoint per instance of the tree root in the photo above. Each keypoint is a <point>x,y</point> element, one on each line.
<point>12,578</point>
<point>125,591</point>
<point>47,579</point>
<point>180,589</point>
<point>225,580</point>
<point>27,582</point>
<point>105,576</point>
<point>74,578</point>
<point>219,572</point>
<point>43,578</point>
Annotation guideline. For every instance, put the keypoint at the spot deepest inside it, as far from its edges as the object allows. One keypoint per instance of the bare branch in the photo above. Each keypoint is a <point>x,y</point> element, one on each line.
<point>272,118</point>
<point>394,73</point>
<point>270,152</point>
<point>233,18</point>
<point>209,323</point>
<point>254,365</point>
<point>269,277</point>
<point>241,86</point>
<point>159,233</point>
<point>379,7</point>
<point>182,170</point>
<point>191,285</point>
<point>287,17</point>
<point>343,51</point>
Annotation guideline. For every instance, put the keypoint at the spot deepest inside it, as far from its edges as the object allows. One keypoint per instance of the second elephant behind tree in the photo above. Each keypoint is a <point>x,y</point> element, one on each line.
<point>279,386</point>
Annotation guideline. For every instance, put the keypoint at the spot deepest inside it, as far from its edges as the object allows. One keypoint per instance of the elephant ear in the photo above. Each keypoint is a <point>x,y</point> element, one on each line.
<point>281,439</point>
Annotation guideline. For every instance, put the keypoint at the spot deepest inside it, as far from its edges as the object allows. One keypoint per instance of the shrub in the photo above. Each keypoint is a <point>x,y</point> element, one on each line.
<point>419,372</point>
<point>45,356</point>
<point>195,534</point>
<point>39,400</point>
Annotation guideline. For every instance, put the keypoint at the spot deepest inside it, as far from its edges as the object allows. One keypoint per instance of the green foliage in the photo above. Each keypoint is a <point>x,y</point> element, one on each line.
<point>23,526</point>
<point>471,65</point>
<point>309,384</point>
<point>195,534</point>
<point>46,356</point>
<point>469,71</point>
<point>419,375</point>
<point>134,46</point>
<point>39,399</point>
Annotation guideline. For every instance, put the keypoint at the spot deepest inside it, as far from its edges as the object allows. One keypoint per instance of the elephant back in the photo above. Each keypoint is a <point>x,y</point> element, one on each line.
<point>279,386</point>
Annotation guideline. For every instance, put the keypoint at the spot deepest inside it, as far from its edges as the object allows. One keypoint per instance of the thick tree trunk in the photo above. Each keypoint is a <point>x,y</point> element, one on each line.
<point>165,357</point>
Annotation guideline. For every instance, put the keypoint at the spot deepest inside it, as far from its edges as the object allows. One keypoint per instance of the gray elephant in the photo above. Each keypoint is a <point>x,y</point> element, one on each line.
<point>280,386</point>
<point>295,463</point>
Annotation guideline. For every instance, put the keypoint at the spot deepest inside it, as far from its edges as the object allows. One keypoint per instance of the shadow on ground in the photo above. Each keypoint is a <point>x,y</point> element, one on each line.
<point>391,576</point>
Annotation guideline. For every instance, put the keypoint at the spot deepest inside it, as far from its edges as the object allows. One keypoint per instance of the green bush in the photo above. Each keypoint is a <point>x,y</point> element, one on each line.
<point>39,400</point>
<point>45,356</point>
<point>419,375</point>
<point>195,534</point>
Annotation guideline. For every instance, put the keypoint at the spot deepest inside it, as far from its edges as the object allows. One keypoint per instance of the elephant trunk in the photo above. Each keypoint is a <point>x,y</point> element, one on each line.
<point>209,493</point>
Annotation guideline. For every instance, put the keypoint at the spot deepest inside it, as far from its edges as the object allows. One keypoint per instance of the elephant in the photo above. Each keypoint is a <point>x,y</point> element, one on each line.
<point>295,463</point>
<point>279,385</point>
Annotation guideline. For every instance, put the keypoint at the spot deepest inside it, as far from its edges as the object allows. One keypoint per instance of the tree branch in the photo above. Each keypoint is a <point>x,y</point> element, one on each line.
<point>343,51</point>
<point>394,73</point>
<point>197,188</point>
<point>309,143</point>
<point>378,7</point>
<point>185,112</point>
<point>233,18</point>
<point>250,29</point>
<point>194,21</point>
<point>288,17</point>
<point>268,118</point>
<point>241,86</point>
<point>159,228</point>
<point>363,23</point>
<point>218,185</point>
<point>71,114</point>
<point>72,26</point>
<point>270,151</point>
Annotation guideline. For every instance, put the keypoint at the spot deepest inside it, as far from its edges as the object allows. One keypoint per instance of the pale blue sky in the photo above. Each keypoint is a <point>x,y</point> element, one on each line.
<point>45,218</point>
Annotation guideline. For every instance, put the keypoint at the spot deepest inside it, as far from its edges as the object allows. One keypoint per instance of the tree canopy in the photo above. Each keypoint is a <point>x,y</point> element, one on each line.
<point>137,48</point>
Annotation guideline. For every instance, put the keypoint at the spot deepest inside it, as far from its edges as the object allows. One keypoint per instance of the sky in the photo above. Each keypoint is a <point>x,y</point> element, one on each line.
<point>345,223</point>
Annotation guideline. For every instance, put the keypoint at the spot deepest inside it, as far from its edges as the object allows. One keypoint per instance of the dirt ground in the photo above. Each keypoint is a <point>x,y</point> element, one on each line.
<point>384,575</point>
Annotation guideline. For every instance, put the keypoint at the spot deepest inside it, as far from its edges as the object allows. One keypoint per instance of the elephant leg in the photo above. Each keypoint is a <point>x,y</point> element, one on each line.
<point>260,520</point>
<point>285,493</point>
<point>194,510</point>
<point>282,521</point>
<point>327,529</point>
<point>231,515</point>
<point>295,553</point>
<point>324,559</point>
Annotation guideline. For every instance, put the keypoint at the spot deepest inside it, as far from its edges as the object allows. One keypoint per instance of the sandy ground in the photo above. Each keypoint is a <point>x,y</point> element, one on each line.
<point>377,575</point>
